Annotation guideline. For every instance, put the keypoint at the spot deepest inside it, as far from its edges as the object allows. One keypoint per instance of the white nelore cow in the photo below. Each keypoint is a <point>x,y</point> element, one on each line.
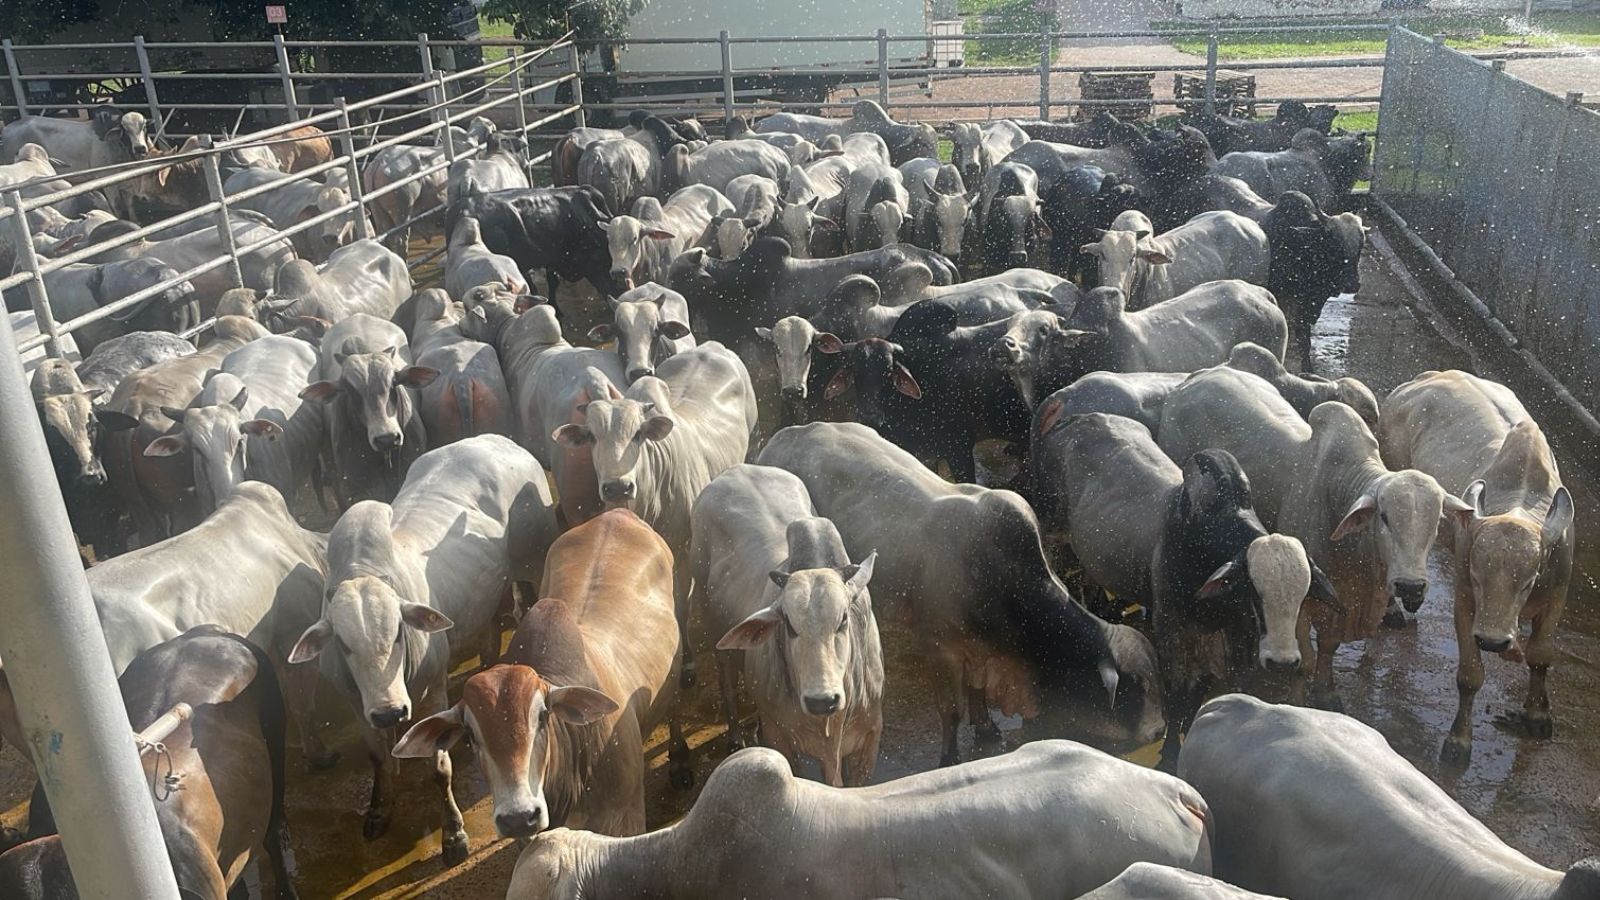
<point>775,582</point>
<point>107,137</point>
<point>363,277</point>
<point>650,324</point>
<point>1051,819</point>
<point>1514,543</point>
<point>469,263</point>
<point>644,245</point>
<point>1323,482</point>
<point>1316,806</point>
<point>1209,247</point>
<point>413,589</point>
<point>656,447</point>
<point>291,202</point>
<point>1153,881</point>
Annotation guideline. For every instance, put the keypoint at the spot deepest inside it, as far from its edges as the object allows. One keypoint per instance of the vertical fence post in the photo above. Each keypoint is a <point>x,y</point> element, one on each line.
<point>224,225</point>
<point>17,89</point>
<point>441,90</point>
<point>581,118</point>
<point>522,111</point>
<point>291,103</point>
<point>1047,58</point>
<point>1211,71</point>
<point>28,261</point>
<point>149,85</point>
<point>427,68</point>
<point>72,714</point>
<point>727,77</point>
<point>347,147</point>
<point>883,68</point>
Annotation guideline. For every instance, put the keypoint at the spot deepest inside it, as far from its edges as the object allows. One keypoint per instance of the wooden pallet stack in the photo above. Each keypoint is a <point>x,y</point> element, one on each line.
<point>1236,92</point>
<point>1133,90</point>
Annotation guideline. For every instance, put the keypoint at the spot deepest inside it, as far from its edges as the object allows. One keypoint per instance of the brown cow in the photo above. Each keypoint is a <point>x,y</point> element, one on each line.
<point>309,147</point>
<point>159,490</point>
<point>599,652</point>
<point>221,808</point>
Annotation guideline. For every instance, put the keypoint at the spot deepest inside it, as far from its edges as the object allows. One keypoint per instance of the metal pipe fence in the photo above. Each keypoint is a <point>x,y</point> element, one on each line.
<point>1497,177</point>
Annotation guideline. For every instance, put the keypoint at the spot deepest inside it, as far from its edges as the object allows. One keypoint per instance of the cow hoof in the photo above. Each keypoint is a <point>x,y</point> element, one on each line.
<point>455,849</point>
<point>1395,619</point>
<point>1455,752</point>
<point>375,826</point>
<point>682,776</point>
<point>1540,726</point>
<point>321,762</point>
<point>986,733</point>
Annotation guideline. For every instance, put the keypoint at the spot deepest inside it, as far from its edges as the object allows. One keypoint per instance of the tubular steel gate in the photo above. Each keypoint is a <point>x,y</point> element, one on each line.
<point>1498,178</point>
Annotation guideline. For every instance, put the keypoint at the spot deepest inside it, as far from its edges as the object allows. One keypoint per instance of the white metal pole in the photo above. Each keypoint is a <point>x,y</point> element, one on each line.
<point>347,146</point>
<point>883,68</point>
<point>55,657</point>
<point>148,76</point>
<point>224,224</point>
<point>290,103</point>
<point>28,261</point>
<point>727,78</point>
<point>16,77</point>
<point>1047,58</point>
<point>579,118</point>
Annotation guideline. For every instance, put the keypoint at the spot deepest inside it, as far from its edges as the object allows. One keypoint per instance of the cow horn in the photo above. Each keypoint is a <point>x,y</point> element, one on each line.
<point>1110,677</point>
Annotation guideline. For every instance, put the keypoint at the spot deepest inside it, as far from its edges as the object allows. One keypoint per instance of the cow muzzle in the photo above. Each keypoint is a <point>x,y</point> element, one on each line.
<point>522,823</point>
<point>1006,353</point>
<point>640,372</point>
<point>790,392</point>
<point>623,277</point>
<point>823,705</point>
<point>388,442</point>
<point>389,716</point>
<point>1493,643</point>
<point>1017,258</point>
<point>618,491</point>
<point>93,475</point>
<point>1280,664</point>
<point>1410,593</point>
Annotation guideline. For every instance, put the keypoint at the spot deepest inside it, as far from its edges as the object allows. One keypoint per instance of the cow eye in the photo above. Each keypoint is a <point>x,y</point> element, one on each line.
<point>789,627</point>
<point>843,621</point>
<point>544,715</point>
<point>1384,518</point>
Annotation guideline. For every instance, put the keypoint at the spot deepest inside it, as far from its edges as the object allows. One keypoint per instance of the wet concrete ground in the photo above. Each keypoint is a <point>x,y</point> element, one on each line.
<point>1539,797</point>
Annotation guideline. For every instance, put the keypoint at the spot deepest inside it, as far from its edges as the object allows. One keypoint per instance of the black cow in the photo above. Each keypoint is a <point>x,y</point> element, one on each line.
<point>73,434</point>
<point>556,229</point>
<point>1010,224</point>
<point>729,299</point>
<point>1314,256</point>
<point>1228,133</point>
<point>1093,133</point>
<point>1081,204</point>
<point>1181,202</point>
<point>931,387</point>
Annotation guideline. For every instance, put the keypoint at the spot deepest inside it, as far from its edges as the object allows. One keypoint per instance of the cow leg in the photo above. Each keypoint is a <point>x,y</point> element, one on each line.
<point>682,578</point>
<point>728,677</point>
<point>380,807</point>
<point>1540,654</point>
<point>301,684</point>
<point>984,730</point>
<point>1457,749</point>
<point>1300,684</point>
<point>679,766</point>
<point>858,766</point>
<point>454,829</point>
<point>948,683</point>
<point>1330,634</point>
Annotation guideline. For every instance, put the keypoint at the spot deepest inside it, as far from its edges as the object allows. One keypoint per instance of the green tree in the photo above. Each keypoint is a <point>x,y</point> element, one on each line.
<point>550,19</point>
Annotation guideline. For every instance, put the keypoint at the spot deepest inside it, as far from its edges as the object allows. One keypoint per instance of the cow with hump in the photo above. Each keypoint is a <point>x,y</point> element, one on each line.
<point>1050,819</point>
<point>559,725</point>
<point>795,619</point>
<point>968,565</point>
<point>414,588</point>
<point>1513,544</point>
<point>1317,806</point>
<point>1321,481</point>
<point>1185,542</point>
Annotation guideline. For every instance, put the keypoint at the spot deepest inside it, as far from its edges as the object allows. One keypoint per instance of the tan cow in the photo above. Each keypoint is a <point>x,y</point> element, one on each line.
<point>559,726</point>
<point>1514,551</point>
<point>302,148</point>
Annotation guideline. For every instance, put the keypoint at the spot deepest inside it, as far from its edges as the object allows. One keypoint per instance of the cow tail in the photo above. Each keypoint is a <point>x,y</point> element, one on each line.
<point>272,718</point>
<point>463,391</point>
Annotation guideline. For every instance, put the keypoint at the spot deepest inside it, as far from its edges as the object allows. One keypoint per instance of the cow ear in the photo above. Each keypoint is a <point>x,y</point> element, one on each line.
<point>827,342</point>
<point>572,436</point>
<point>1072,337</point>
<point>905,384</point>
<point>1221,581</point>
<point>175,413</point>
<point>579,705</point>
<point>1154,257</point>
<point>764,333</point>
<point>1360,514</point>
<point>435,734</point>
<point>241,398</point>
<point>416,376</point>
<point>320,391</point>
<point>839,383</point>
<point>262,428</point>
<point>111,420</point>
<point>315,325</point>
<point>424,618</point>
<point>754,631</point>
<point>1558,519</point>
<point>658,234</point>
<point>170,445</point>
<point>857,575</point>
<point>779,577</point>
<point>1321,589</point>
<point>602,333</point>
<point>1091,249</point>
<point>312,642</point>
<point>1473,497</point>
<point>94,394</point>
<point>1454,507</point>
<point>673,331</point>
<point>656,428</point>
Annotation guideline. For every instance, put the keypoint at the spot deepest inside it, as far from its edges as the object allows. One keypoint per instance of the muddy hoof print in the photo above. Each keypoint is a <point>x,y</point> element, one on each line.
<point>375,826</point>
<point>455,849</point>
<point>1395,619</point>
<point>1455,753</point>
<point>322,762</point>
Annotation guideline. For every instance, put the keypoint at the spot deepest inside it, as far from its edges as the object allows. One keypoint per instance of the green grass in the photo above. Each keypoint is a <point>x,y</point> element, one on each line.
<point>488,28</point>
<point>1358,120</point>
<point>1498,33</point>
<point>1002,17</point>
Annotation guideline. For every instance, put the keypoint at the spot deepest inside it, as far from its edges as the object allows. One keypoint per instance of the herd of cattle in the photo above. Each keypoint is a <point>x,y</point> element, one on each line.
<point>804,321</point>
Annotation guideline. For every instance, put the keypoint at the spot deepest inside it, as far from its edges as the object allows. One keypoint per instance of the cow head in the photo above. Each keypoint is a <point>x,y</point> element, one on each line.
<point>1314,255</point>
<point>330,234</point>
<point>946,219</point>
<point>1022,351</point>
<point>619,432</point>
<point>376,384</point>
<point>1275,573</point>
<point>1013,229</point>
<point>800,224</point>
<point>1506,552</point>
<point>514,716</point>
<point>127,132</point>
<point>379,636</point>
<point>171,309</point>
<point>886,218</point>
<point>1398,512</point>
<point>216,436</point>
<point>644,323</point>
<point>625,239</point>
<point>71,429</point>
<point>968,154</point>
<point>876,369</point>
<point>1121,254</point>
<point>794,338</point>
<point>811,619</point>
